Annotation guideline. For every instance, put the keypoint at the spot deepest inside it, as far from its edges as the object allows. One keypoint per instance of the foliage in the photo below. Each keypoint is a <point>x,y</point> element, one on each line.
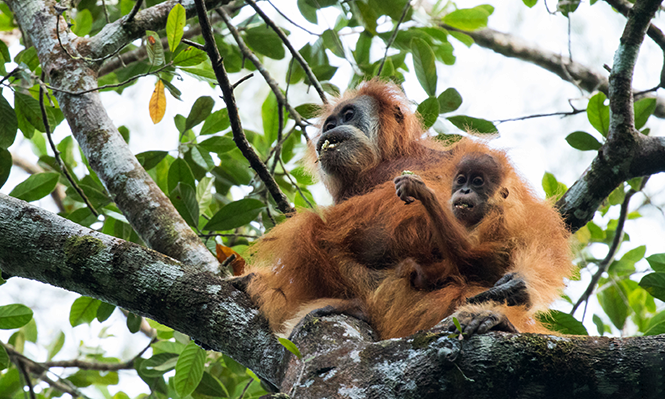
<point>200,176</point>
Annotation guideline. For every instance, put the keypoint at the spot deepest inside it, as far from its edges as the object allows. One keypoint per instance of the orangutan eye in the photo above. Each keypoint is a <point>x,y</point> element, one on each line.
<point>348,115</point>
<point>477,181</point>
<point>460,180</point>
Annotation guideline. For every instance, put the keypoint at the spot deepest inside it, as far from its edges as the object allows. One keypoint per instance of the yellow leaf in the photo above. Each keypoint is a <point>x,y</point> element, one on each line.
<point>157,103</point>
<point>238,264</point>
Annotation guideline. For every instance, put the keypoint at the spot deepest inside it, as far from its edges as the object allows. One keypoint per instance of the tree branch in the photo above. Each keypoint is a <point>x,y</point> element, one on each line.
<point>147,209</point>
<point>238,133</point>
<point>582,76</point>
<point>198,303</point>
<point>294,52</point>
<point>618,158</point>
<point>247,53</point>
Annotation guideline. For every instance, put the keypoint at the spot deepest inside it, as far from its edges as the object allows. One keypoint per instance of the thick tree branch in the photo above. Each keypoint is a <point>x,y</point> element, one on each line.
<point>227,92</point>
<point>618,157</point>
<point>197,303</point>
<point>118,34</point>
<point>146,207</point>
<point>582,76</point>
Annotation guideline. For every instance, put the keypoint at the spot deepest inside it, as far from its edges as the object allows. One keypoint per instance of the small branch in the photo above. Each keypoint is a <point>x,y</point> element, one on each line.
<point>26,376</point>
<point>288,176</point>
<point>106,12</point>
<point>291,21</point>
<point>133,13</point>
<point>193,44</point>
<point>393,36</point>
<point>562,114</point>
<point>56,153</point>
<point>85,365</point>
<point>246,52</point>
<point>228,235</point>
<point>110,86</point>
<point>605,263</point>
<point>244,78</point>
<point>294,52</point>
<point>238,134</point>
<point>278,147</point>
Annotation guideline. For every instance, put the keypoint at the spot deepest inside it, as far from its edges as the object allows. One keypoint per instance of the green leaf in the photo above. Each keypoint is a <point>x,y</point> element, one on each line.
<point>154,48</point>
<point>635,254</point>
<point>84,310</point>
<point>530,4</point>
<point>14,316</point>
<point>235,214</point>
<point>449,100</point>
<point>179,171</point>
<point>612,302</point>
<point>82,23</point>
<point>475,125</point>
<point>30,331</point>
<point>199,112</point>
<point>562,322</point>
<point>134,322</point>
<point>183,198</point>
<point>28,108</point>
<point>216,122</point>
<point>643,110</point>
<point>583,141</point>
<point>429,111</point>
<point>599,114</point>
<point>158,364</point>
<point>308,110</point>
<point>4,358</point>
<point>307,11</point>
<point>189,57</point>
<point>270,117</point>
<point>36,186</point>
<point>189,369</point>
<point>211,386</point>
<point>104,311</point>
<point>302,176</point>
<point>55,346</point>
<point>463,38</point>
<point>218,144</point>
<point>264,40</point>
<point>568,6</point>
<point>600,326</point>
<point>175,25</point>
<point>5,165</point>
<point>423,62</point>
<point>9,125</point>
<point>469,18</point>
<point>290,346</point>
<point>150,159</point>
<point>654,283</point>
<point>332,42</point>
<point>657,262</point>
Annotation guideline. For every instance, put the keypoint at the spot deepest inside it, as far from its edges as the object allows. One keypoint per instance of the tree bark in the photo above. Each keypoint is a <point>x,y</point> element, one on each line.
<point>145,206</point>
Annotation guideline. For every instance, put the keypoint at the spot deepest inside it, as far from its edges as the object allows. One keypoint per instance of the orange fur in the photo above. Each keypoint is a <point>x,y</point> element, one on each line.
<point>359,247</point>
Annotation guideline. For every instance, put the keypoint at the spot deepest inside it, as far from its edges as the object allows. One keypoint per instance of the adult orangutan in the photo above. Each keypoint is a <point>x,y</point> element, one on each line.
<point>360,254</point>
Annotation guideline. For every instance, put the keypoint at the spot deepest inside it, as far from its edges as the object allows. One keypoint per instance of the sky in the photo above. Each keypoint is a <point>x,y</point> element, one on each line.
<point>493,87</point>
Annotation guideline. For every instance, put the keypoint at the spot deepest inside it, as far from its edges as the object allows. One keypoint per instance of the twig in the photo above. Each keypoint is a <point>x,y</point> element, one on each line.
<point>604,264</point>
<point>56,153</point>
<point>39,370</point>
<point>238,134</point>
<point>522,118</point>
<point>129,17</point>
<point>109,86</point>
<point>26,376</point>
<point>227,235</point>
<point>288,176</point>
<point>194,44</point>
<point>246,388</point>
<point>10,74</point>
<point>278,147</point>
<point>294,52</point>
<point>84,365</point>
<point>106,12</point>
<point>291,21</point>
<point>394,35</point>
<point>244,78</point>
<point>264,72</point>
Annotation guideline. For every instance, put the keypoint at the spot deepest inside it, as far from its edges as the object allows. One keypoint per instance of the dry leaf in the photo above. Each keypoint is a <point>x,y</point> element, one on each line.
<point>238,264</point>
<point>157,103</point>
